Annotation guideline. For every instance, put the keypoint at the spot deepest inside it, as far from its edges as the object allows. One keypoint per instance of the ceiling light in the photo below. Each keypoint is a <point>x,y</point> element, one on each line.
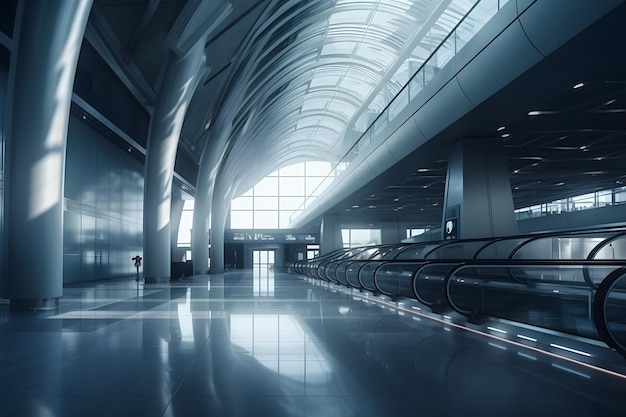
<point>372,207</point>
<point>396,199</point>
<point>560,183</point>
<point>373,195</point>
<point>501,128</point>
<point>516,171</point>
<point>355,206</point>
<point>422,170</point>
<point>540,112</point>
<point>84,117</point>
<point>506,135</point>
<point>579,85</point>
<point>610,102</point>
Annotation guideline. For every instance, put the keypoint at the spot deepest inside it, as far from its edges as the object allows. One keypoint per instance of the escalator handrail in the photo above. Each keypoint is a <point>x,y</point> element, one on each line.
<point>599,310</point>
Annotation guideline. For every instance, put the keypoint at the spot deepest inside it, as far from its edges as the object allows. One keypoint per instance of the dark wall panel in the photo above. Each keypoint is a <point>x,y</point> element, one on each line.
<point>103,207</point>
<point>4,114</point>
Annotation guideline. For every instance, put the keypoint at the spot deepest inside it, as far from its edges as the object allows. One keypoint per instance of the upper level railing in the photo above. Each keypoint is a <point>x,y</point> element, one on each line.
<point>467,27</point>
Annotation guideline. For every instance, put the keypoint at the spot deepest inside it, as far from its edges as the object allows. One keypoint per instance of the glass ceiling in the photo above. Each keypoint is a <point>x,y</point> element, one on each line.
<point>328,70</point>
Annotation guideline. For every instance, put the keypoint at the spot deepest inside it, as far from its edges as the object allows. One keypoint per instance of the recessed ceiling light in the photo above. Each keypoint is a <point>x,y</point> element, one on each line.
<point>579,85</point>
<point>506,135</point>
<point>372,207</point>
<point>355,206</point>
<point>560,183</point>
<point>373,195</point>
<point>422,170</point>
<point>516,171</point>
<point>534,113</point>
<point>501,128</point>
<point>610,102</point>
<point>396,199</point>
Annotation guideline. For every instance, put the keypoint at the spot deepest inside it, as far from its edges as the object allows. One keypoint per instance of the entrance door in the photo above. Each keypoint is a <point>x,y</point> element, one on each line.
<point>263,258</point>
<point>263,272</point>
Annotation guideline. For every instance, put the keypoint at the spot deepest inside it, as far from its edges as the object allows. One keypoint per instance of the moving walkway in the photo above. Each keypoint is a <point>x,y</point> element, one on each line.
<point>573,282</point>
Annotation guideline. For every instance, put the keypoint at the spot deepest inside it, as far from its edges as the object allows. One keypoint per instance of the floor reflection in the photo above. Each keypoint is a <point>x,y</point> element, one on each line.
<point>216,346</point>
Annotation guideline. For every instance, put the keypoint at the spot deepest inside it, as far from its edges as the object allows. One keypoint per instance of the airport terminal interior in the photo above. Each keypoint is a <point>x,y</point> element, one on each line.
<point>312,208</point>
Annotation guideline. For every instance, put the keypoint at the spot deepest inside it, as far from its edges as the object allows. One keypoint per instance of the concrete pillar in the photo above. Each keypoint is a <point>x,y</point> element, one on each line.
<point>179,84</point>
<point>478,201</point>
<point>201,220</point>
<point>391,232</point>
<point>221,203</point>
<point>330,234</point>
<point>43,66</point>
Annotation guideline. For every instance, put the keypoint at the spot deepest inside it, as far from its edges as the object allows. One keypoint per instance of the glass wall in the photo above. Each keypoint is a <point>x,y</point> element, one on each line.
<point>270,203</point>
<point>186,224</point>
<point>353,238</point>
<point>577,203</point>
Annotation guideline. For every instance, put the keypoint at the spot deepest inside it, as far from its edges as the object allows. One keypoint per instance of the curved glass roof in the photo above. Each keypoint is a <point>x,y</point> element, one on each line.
<point>323,72</point>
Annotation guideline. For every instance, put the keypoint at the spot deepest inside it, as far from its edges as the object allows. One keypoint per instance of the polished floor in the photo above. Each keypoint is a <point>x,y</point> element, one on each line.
<point>263,343</point>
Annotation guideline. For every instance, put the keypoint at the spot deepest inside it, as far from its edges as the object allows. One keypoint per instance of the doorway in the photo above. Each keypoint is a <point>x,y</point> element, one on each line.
<point>263,272</point>
<point>263,258</point>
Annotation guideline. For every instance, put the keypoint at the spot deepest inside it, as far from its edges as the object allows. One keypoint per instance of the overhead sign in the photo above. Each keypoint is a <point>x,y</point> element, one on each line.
<point>277,237</point>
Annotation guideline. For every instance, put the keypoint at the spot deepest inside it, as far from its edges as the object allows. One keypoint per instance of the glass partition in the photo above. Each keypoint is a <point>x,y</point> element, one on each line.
<point>366,276</point>
<point>396,278</point>
<point>549,296</point>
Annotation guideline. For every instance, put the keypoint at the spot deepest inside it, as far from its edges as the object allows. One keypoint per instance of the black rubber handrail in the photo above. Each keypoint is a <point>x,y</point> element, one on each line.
<point>599,310</point>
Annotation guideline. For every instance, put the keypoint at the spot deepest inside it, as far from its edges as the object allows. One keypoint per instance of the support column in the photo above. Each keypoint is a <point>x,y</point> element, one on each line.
<point>330,234</point>
<point>221,203</point>
<point>478,201</point>
<point>179,84</point>
<point>391,232</point>
<point>43,67</point>
<point>201,220</point>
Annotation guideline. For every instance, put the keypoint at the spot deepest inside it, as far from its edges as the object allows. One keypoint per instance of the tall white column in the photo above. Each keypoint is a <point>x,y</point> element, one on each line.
<point>221,203</point>
<point>179,84</point>
<point>49,38</point>
<point>201,218</point>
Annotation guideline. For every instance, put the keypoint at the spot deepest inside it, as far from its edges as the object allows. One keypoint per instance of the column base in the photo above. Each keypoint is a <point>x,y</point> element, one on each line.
<point>156,280</point>
<point>38,304</point>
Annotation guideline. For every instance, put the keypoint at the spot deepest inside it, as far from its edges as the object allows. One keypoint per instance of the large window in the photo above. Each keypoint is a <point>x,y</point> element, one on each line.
<point>186,223</point>
<point>270,203</point>
<point>580,202</point>
<point>353,238</point>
